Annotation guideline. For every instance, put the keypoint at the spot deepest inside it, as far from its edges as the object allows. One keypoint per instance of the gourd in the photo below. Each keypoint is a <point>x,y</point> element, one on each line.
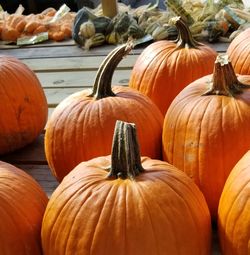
<point>85,21</point>
<point>23,203</point>
<point>165,67</point>
<point>82,125</point>
<point>23,105</point>
<point>126,204</point>
<point>206,128</point>
<point>233,212</point>
<point>239,51</point>
<point>87,29</point>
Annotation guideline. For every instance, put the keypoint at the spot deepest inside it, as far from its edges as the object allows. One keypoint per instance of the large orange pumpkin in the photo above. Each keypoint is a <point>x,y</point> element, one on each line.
<point>239,52</point>
<point>22,205</point>
<point>23,105</point>
<point>206,133</point>
<point>234,208</point>
<point>165,67</point>
<point>126,205</point>
<point>82,125</point>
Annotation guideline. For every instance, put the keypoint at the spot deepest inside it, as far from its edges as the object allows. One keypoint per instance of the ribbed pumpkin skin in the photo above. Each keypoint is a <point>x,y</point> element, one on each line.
<point>160,212</point>
<point>234,207</point>
<point>22,207</point>
<point>161,72</point>
<point>239,52</point>
<point>81,128</point>
<point>23,105</point>
<point>205,136</point>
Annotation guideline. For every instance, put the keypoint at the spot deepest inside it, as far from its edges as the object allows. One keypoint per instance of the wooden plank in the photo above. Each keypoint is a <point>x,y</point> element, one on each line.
<point>76,51</point>
<point>60,51</point>
<point>42,174</point>
<point>79,79</point>
<point>49,43</point>
<point>76,63</point>
<point>30,154</point>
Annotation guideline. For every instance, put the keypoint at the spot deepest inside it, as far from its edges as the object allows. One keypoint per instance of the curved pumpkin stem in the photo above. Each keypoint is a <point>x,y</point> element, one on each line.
<point>185,38</point>
<point>102,85</point>
<point>225,81</point>
<point>125,157</point>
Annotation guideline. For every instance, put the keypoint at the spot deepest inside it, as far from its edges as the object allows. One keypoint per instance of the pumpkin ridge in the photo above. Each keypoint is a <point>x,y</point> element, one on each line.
<point>142,74</point>
<point>68,203</point>
<point>110,191</point>
<point>152,227</point>
<point>176,191</point>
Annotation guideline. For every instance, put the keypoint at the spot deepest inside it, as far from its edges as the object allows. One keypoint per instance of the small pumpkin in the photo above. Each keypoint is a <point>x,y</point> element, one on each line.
<point>239,52</point>
<point>23,105</point>
<point>206,129</point>
<point>22,203</point>
<point>165,67</point>
<point>124,204</point>
<point>233,212</point>
<point>82,125</point>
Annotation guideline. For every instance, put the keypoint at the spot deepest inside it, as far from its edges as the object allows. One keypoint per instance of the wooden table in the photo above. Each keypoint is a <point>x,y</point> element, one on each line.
<point>64,68</point>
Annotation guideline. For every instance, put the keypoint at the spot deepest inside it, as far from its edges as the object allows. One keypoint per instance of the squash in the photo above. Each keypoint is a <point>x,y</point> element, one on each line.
<point>82,16</point>
<point>206,129</point>
<point>23,105</point>
<point>233,212</point>
<point>82,125</point>
<point>23,204</point>
<point>239,52</point>
<point>165,67</point>
<point>128,205</point>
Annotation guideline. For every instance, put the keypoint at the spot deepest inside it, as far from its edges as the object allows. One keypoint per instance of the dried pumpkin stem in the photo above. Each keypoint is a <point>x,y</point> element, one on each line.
<point>125,157</point>
<point>102,86</point>
<point>185,38</point>
<point>225,81</point>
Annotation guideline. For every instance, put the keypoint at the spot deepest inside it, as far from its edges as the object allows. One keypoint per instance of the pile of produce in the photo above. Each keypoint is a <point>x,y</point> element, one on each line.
<point>208,20</point>
<point>29,29</point>
<point>115,23</point>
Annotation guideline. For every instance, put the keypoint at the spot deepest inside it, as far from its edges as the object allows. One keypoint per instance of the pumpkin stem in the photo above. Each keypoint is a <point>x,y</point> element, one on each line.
<point>125,157</point>
<point>225,81</point>
<point>185,38</point>
<point>102,85</point>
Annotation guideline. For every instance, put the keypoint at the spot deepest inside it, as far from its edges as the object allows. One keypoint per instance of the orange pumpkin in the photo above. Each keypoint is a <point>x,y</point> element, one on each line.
<point>165,67</point>
<point>82,125</point>
<point>239,52</point>
<point>23,203</point>
<point>234,207</point>
<point>23,105</point>
<point>206,133</point>
<point>140,207</point>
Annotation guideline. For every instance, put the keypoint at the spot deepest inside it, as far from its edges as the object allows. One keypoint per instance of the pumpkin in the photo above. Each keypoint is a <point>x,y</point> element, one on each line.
<point>233,212</point>
<point>126,204</point>
<point>23,105</point>
<point>82,125</point>
<point>165,67</point>
<point>206,129</point>
<point>239,52</point>
<point>22,206</point>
